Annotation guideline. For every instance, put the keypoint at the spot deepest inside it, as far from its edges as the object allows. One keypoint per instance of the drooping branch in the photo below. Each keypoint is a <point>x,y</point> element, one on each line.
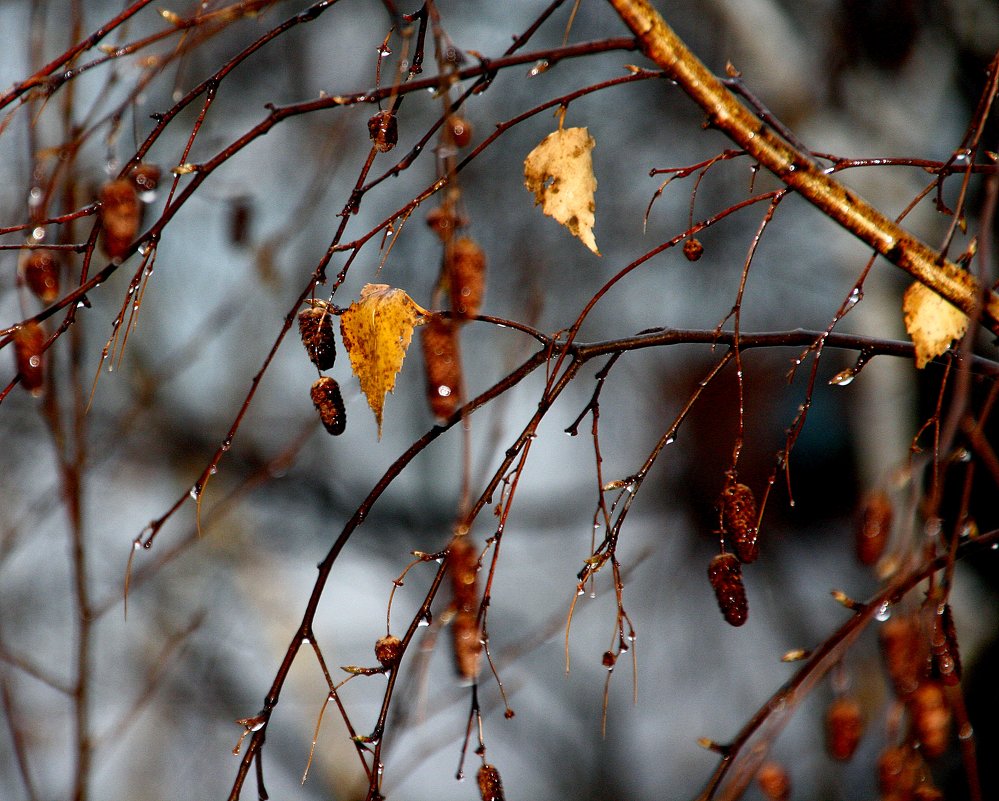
<point>799,171</point>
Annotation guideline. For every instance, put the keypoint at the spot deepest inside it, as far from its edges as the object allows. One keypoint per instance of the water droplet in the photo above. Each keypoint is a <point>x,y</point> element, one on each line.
<point>883,613</point>
<point>226,444</point>
<point>384,51</point>
<point>961,156</point>
<point>38,234</point>
<point>537,69</point>
<point>213,470</point>
<point>426,619</point>
<point>177,95</point>
<point>670,439</point>
<point>843,377</point>
<point>195,491</point>
<point>581,591</point>
<point>136,545</point>
<point>962,455</point>
<point>856,295</point>
<point>35,196</point>
<point>444,391</point>
<point>147,195</point>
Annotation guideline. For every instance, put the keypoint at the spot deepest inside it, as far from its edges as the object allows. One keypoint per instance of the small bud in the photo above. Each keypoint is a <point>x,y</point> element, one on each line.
<point>796,655</point>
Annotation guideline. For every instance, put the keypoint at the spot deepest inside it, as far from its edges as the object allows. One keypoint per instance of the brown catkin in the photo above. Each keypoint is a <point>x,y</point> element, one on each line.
<point>490,783</point>
<point>329,402</point>
<point>465,264</point>
<point>29,340</point>
<point>383,128</point>
<point>444,221</point>
<point>873,527</point>
<point>315,326</point>
<point>120,213</point>
<point>388,650</point>
<point>898,773</point>
<point>725,575</point>
<point>773,781</point>
<point>904,653</point>
<point>41,274</point>
<point>738,517</point>
<point>844,727</point>
<point>931,718</point>
<point>463,568</point>
<point>460,130</point>
<point>442,362</point>
<point>693,249</point>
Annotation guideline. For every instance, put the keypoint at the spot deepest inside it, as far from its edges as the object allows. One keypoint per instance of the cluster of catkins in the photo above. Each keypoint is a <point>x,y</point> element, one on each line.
<point>919,649</point>
<point>119,209</point>
<point>739,530</point>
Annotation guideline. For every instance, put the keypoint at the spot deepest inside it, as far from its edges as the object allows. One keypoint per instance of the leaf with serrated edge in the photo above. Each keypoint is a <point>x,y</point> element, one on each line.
<point>376,331</point>
<point>931,322</point>
<point>559,172</point>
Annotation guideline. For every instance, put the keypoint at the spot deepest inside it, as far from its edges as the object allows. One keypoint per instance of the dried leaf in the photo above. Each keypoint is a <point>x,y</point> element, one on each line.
<point>376,331</point>
<point>559,172</point>
<point>931,322</point>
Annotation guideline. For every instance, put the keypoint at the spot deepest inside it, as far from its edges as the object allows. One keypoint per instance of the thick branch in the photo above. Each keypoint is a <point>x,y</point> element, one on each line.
<point>798,170</point>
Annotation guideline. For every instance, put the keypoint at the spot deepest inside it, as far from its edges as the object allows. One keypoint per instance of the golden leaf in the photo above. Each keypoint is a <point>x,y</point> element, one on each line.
<point>376,331</point>
<point>932,322</point>
<point>559,172</point>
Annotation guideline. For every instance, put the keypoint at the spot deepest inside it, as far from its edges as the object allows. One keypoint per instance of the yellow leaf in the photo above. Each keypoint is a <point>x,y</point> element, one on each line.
<point>559,172</point>
<point>931,322</point>
<point>376,331</point>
